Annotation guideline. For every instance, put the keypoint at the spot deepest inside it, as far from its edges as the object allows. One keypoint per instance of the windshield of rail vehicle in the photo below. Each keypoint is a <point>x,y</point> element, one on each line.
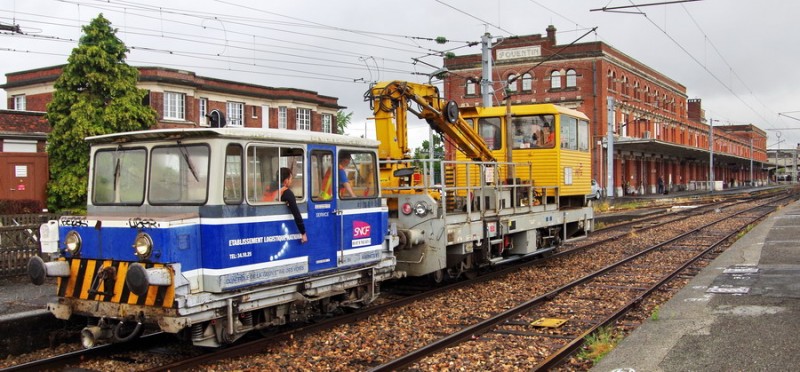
<point>178,175</point>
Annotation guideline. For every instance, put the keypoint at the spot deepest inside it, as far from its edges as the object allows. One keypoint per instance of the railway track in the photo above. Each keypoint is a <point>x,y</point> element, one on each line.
<point>543,332</point>
<point>284,342</point>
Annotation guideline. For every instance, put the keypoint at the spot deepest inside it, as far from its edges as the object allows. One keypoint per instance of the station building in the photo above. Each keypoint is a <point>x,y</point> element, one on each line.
<point>658,132</point>
<point>181,99</point>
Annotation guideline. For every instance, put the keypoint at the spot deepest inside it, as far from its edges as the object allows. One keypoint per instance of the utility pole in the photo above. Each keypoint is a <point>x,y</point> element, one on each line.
<point>752,181</point>
<point>711,154</point>
<point>486,61</point>
<point>610,150</point>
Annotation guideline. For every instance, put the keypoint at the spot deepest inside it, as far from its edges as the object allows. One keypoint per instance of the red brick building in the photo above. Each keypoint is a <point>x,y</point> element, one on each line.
<point>659,132</point>
<point>181,98</point>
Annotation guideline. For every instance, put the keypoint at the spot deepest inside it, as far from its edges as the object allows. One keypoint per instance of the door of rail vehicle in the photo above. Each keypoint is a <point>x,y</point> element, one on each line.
<point>323,226</point>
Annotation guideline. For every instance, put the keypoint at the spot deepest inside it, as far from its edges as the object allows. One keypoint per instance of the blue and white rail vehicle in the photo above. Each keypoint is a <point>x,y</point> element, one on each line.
<point>184,232</point>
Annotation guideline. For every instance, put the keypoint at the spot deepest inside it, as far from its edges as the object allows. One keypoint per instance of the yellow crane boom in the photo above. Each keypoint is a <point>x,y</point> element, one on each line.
<point>392,101</point>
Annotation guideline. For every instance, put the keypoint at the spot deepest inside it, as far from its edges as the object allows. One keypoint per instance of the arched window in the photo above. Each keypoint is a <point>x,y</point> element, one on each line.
<point>636,93</point>
<point>470,87</point>
<point>572,78</point>
<point>555,80</point>
<point>512,83</point>
<point>527,82</point>
<point>625,90</point>
<point>611,83</point>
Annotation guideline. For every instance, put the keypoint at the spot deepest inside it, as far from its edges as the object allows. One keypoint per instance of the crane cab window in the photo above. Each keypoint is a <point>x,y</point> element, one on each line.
<point>490,131</point>
<point>533,131</point>
<point>263,165</point>
<point>574,133</point>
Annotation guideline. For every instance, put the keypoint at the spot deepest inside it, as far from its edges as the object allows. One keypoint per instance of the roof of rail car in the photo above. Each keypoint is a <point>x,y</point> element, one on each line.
<point>526,109</point>
<point>238,133</point>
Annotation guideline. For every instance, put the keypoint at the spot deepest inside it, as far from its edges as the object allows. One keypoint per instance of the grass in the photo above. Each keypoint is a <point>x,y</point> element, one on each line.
<point>598,344</point>
<point>655,314</point>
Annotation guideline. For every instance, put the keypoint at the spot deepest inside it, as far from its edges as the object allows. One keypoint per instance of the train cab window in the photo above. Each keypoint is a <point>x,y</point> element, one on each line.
<point>532,131</point>
<point>232,183</point>
<point>179,175</point>
<point>118,177</point>
<point>321,176</point>
<point>359,172</point>
<point>489,129</point>
<point>263,170</point>
<point>574,133</point>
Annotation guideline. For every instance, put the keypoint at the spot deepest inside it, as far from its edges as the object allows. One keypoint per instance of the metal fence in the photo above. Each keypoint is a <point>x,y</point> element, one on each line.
<point>19,241</point>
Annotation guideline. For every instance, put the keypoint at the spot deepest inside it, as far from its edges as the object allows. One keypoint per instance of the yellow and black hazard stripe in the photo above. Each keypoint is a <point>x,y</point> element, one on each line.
<point>84,283</point>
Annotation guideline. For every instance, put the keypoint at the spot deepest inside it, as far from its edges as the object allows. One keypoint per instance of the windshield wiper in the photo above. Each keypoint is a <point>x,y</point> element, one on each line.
<point>186,158</point>
<point>116,168</point>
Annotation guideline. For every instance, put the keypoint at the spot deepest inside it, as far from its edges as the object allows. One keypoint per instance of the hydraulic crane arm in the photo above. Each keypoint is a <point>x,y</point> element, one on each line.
<point>391,103</point>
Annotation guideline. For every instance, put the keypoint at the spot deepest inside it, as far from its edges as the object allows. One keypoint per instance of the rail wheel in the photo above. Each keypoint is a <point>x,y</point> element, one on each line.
<point>437,276</point>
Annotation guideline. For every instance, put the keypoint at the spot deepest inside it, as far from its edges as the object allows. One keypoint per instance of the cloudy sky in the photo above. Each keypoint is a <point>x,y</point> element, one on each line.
<point>738,56</point>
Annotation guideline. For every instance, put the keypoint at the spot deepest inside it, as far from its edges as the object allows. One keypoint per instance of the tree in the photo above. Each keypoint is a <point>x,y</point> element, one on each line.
<point>342,120</point>
<point>95,94</point>
<point>423,152</point>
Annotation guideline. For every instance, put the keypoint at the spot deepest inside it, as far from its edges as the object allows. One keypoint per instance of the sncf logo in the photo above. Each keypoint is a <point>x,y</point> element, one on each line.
<point>361,229</point>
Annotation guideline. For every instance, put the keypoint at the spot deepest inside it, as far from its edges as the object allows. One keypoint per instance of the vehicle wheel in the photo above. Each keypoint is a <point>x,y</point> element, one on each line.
<point>437,276</point>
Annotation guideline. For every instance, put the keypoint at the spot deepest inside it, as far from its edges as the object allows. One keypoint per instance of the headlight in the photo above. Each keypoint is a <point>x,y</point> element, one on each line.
<point>143,245</point>
<point>73,242</point>
<point>421,209</point>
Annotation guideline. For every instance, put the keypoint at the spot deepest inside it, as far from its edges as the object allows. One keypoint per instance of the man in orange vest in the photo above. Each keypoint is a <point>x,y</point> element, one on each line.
<point>285,194</point>
<point>344,183</point>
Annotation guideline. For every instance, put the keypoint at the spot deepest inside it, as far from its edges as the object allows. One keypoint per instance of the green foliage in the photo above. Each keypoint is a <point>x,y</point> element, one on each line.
<point>96,94</point>
<point>655,315</point>
<point>342,120</point>
<point>423,152</point>
<point>598,344</point>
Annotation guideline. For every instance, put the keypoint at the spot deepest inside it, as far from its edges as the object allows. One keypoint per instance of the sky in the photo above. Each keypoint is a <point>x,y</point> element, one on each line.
<point>738,56</point>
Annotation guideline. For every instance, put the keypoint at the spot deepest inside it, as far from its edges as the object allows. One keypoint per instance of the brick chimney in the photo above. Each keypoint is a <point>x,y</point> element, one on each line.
<point>551,34</point>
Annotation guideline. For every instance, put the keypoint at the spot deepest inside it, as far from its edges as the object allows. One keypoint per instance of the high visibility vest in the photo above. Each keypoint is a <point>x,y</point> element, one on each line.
<point>272,195</point>
<point>327,186</point>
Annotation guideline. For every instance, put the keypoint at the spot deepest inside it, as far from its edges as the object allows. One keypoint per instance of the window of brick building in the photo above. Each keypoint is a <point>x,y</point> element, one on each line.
<point>20,102</point>
<point>512,83</point>
<point>303,119</point>
<point>572,78</point>
<point>174,106</point>
<point>555,80</point>
<point>527,82</point>
<point>327,123</point>
<point>202,111</point>
<point>282,117</point>
<point>470,87</point>
<point>235,114</point>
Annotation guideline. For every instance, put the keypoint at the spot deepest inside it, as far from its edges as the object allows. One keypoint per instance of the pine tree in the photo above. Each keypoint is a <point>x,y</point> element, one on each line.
<point>96,94</point>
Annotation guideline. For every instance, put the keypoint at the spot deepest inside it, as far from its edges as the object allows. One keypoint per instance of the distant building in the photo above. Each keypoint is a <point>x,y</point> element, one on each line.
<point>658,131</point>
<point>181,98</point>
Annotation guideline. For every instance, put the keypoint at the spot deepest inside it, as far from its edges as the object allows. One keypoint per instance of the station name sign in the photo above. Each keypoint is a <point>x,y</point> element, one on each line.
<point>523,52</point>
